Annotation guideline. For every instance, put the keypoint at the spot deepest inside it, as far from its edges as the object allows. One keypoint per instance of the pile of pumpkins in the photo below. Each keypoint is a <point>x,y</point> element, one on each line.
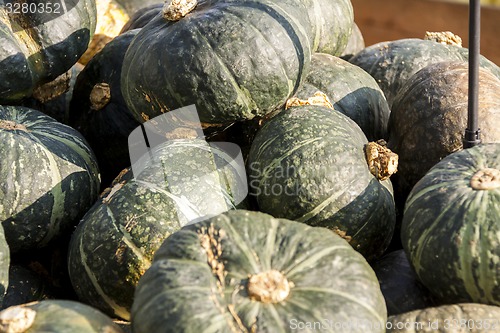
<point>364,213</point>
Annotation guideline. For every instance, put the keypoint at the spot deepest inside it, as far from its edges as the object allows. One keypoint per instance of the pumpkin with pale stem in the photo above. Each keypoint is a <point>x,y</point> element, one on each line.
<point>450,227</point>
<point>246,271</point>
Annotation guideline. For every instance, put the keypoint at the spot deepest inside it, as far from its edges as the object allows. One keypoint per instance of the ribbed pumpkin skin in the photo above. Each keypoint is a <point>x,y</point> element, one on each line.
<point>399,284</point>
<point>463,317</point>
<point>65,317</point>
<point>107,128</point>
<point>351,90</point>
<point>4,265</point>
<point>114,243</point>
<point>182,293</point>
<point>307,164</point>
<point>142,17</point>
<point>32,53</point>
<point>355,44</point>
<point>234,60</point>
<point>50,178</point>
<point>393,63</point>
<point>450,231</point>
<point>132,6</point>
<point>429,118</point>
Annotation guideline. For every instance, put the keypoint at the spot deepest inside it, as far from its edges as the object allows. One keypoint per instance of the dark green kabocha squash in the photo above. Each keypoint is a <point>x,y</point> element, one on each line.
<point>59,316</point>
<point>25,286</point>
<point>246,271</point>
<point>351,90</point>
<point>99,112</point>
<point>392,63</point>
<point>402,290</point>
<point>133,6</point>
<point>115,241</point>
<point>463,317</point>
<point>38,47</point>
<point>4,265</point>
<point>450,227</point>
<point>429,118</point>
<point>308,164</point>
<point>142,17</point>
<point>234,60</point>
<point>49,177</point>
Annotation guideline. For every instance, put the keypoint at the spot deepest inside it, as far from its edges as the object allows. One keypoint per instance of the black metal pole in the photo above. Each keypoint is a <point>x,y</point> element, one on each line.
<point>472,133</point>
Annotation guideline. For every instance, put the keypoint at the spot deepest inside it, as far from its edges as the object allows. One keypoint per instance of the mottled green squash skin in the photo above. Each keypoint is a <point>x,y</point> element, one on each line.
<point>114,243</point>
<point>182,292</point>
<point>460,318</point>
<point>234,60</point>
<point>37,49</point>
<point>50,177</point>
<point>106,127</point>
<point>355,44</point>
<point>60,316</point>
<point>392,63</point>
<point>402,290</point>
<point>351,90</point>
<point>308,164</point>
<point>450,230</point>
<point>429,118</point>
<point>4,265</point>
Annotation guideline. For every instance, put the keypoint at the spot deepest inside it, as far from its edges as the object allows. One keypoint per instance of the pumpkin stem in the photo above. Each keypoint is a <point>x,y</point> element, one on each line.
<point>269,287</point>
<point>319,98</point>
<point>174,10</point>
<point>53,89</point>
<point>382,162</point>
<point>486,179</point>
<point>100,96</point>
<point>444,37</point>
<point>16,319</point>
<point>12,126</point>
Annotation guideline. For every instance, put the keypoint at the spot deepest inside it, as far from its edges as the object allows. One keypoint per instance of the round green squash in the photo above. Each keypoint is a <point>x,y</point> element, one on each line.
<point>4,265</point>
<point>351,90</point>
<point>429,118</point>
<point>308,164</point>
<point>99,112</point>
<point>50,177</point>
<point>133,6</point>
<point>246,271</point>
<point>459,318</point>
<point>450,226</point>
<point>392,63</point>
<point>59,316</point>
<point>402,290</point>
<point>234,60</point>
<point>38,47</point>
<point>114,243</point>
<point>142,17</point>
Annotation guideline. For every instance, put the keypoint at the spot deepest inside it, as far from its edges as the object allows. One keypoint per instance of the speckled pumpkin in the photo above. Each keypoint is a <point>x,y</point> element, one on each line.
<point>246,271</point>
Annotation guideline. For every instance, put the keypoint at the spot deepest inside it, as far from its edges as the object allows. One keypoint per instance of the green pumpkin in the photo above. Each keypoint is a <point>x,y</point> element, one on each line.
<point>234,60</point>
<point>400,286</point>
<point>392,63</point>
<point>39,47</point>
<point>98,109</point>
<point>308,164</point>
<point>429,118</point>
<point>463,317</point>
<point>132,6</point>
<point>246,271</point>
<point>114,243</point>
<point>142,17</point>
<point>50,177</point>
<point>59,316</point>
<point>351,90</point>
<point>450,226</point>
